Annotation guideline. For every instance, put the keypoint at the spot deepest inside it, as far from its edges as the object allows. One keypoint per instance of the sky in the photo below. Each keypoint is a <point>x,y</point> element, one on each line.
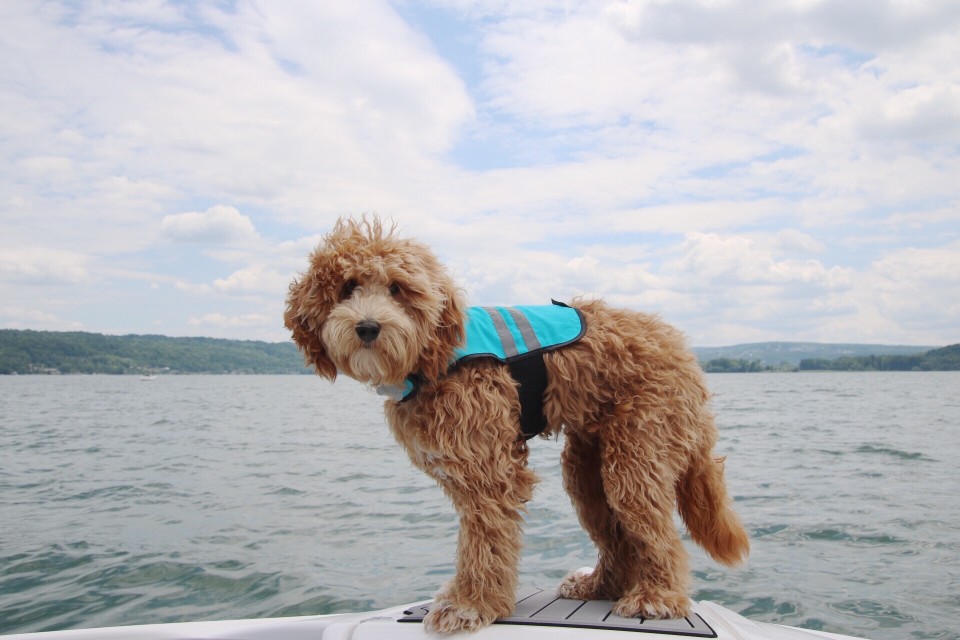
<point>749,170</point>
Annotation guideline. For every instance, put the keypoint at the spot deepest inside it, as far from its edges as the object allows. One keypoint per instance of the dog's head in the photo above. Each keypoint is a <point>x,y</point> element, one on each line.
<point>375,307</point>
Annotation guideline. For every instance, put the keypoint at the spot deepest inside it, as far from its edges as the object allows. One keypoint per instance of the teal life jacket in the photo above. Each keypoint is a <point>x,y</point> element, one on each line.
<point>517,336</point>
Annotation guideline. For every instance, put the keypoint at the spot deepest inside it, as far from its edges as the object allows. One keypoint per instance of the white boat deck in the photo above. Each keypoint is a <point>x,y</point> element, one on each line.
<point>540,615</point>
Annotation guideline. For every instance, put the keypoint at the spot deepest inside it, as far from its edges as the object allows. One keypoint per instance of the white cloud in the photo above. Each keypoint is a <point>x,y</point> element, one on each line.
<point>927,113</point>
<point>47,166</point>
<point>220,320</point>
<point>238,101</point>
<point>534,277</point>
<point>910,296</point>
<point>259,283</point>
<point>674,79</point>
<point>40,266</point>
<point>710,259</point>
<point>217,225</point>
<point>13,317</point>
<point>793,241</point>
<point>919,289</point>
<point>253,281</point>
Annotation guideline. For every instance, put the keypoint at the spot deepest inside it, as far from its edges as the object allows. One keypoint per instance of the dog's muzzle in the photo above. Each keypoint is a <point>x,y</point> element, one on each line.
<point>367,331</point>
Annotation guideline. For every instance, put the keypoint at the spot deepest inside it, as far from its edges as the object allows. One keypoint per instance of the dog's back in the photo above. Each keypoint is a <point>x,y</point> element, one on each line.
<point>629,362</point>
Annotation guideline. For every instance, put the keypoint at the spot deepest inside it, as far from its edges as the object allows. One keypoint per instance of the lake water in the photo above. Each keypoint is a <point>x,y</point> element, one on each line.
<point>210,497</point>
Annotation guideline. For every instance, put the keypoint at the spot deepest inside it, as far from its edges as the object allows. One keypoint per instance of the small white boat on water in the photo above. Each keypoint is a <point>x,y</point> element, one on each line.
<point>539,615</point>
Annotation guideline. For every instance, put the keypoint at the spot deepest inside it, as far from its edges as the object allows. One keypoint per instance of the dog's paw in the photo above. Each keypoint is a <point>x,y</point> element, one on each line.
<point>446,617</point>
<point>653,606</point>
<point>582,584</point>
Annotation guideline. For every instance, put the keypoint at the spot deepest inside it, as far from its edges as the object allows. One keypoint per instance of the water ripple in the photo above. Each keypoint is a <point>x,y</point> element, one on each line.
<point>896,453</point>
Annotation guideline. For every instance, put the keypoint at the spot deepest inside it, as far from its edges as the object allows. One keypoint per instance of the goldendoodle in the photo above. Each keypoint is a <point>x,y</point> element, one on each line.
<point>470,385</point>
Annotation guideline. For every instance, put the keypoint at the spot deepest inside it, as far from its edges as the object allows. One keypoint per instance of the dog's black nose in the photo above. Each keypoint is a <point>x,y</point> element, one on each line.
<point>368,330</point>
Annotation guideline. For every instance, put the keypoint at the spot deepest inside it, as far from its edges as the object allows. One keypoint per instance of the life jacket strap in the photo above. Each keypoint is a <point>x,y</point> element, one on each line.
<point>531,374</point>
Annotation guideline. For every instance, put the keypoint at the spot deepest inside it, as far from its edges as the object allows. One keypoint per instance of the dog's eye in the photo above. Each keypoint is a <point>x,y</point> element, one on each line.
<point>394,289</point>
<point>348,287</point>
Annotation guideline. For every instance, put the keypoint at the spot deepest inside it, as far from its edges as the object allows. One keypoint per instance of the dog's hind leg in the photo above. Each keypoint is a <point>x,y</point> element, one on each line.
<point>617,559</point>
<point>639,483</point>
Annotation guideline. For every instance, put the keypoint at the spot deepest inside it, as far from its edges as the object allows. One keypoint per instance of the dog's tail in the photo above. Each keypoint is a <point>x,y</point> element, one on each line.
<point>706,510</point>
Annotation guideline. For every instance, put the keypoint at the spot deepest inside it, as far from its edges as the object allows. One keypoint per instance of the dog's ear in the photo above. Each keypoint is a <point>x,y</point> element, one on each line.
<point>306,331</point>
<point>448,332</point>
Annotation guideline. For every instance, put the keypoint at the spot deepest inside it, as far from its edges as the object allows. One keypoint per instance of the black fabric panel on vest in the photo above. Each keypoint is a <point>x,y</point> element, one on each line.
<point>531,373</point>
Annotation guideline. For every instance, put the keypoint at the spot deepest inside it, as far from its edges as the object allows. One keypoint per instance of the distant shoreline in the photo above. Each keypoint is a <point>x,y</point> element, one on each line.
<point>28,352</point>
<point>704,365</point>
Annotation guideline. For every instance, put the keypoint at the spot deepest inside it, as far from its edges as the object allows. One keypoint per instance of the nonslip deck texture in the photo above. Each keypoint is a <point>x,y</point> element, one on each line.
<point>545,608</point>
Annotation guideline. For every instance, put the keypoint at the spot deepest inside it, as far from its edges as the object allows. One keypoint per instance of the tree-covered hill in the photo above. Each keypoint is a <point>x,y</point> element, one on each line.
<point>77,352</point>
<point>24,352</point>
<point>787,355</point>
<point>944,359</point>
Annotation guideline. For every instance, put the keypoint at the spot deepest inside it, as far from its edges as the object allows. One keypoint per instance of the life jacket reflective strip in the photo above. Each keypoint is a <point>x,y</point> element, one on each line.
<point>518,336</point>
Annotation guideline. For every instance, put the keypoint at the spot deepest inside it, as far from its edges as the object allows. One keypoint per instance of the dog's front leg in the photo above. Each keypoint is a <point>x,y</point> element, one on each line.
<point>463,433</point>
<point>488,553</point>
<point>489,499</point>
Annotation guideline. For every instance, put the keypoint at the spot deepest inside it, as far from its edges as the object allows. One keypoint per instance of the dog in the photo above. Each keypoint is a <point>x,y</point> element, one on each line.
<point>627,395</point>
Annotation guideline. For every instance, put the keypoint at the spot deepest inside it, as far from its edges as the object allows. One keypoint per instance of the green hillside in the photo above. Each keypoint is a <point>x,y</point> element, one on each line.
<point>943,359</point>
<point>789,354</point>
<point>38,352</point>
<point>76,352</point>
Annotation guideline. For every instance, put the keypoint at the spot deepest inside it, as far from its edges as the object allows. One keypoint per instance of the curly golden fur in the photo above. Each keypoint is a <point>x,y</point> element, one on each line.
<point>628,397</point>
